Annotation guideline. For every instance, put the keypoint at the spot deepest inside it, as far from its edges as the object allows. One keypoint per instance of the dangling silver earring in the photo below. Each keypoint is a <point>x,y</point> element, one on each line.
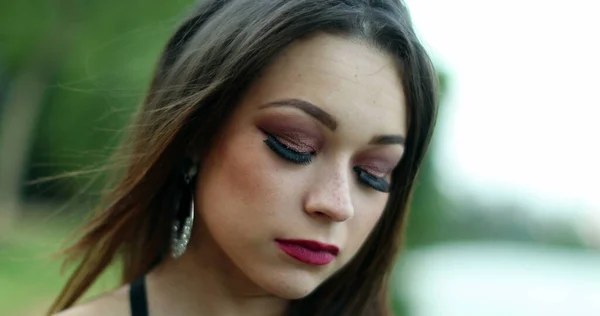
<point>180,235</point>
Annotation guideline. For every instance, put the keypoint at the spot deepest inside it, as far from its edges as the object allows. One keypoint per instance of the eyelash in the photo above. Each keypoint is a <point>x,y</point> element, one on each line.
<point>305,158</point>
<point>285,152</point>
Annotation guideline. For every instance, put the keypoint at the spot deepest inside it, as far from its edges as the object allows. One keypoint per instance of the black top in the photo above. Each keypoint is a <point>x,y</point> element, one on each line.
<point>137,297</point>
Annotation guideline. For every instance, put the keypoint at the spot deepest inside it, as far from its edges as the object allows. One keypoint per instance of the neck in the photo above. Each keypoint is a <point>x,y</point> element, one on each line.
<point>204,282</point>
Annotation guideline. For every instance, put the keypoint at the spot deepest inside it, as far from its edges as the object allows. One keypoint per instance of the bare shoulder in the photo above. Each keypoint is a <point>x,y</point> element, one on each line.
<point>115,303</point>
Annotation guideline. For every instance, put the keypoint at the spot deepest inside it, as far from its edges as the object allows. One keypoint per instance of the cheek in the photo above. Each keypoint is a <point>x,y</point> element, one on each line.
<point>236,184</point>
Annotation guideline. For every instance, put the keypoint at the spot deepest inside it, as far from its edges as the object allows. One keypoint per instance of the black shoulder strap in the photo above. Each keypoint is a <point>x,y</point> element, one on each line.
<point>137,297</point>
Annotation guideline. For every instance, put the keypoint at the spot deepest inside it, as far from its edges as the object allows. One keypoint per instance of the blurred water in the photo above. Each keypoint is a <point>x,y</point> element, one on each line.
<point>501,279</point>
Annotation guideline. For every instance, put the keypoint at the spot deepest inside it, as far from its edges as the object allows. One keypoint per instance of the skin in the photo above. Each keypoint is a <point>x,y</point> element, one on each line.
<point>247,195</point>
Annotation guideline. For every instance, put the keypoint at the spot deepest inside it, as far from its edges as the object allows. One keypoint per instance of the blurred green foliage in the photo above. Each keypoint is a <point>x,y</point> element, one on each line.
<point>96,58</point>
<point>29,267</point>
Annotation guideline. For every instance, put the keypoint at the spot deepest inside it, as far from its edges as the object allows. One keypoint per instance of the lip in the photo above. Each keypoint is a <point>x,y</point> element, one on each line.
<point>308,251</point>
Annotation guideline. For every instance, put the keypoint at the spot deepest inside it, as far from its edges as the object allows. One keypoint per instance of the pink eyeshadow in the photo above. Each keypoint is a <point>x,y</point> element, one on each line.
<point>299,136</point>
<point>379,167</point>
<point>296,141</point>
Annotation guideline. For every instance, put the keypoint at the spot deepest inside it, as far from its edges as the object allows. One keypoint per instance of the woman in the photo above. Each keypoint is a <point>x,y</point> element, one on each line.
<point>271,166</point>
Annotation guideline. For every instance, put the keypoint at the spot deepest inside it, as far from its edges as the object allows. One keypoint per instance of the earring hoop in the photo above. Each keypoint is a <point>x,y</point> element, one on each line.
<point>180,235</point>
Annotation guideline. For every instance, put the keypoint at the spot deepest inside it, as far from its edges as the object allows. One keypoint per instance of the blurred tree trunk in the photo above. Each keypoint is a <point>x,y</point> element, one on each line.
<point>17,127</point>
<point>24,102</point>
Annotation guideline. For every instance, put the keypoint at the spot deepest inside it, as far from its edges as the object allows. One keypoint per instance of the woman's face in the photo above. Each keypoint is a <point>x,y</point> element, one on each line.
<point>304,162</point>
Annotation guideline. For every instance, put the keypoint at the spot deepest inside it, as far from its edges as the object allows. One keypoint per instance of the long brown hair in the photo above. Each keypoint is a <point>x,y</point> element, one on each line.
<point>206,66</point>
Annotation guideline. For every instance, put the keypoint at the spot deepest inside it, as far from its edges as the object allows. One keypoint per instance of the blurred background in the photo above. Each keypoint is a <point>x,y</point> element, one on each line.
<point>506,215</point>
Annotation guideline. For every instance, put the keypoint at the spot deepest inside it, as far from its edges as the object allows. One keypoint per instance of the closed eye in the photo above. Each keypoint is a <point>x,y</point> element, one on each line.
<point>377,183</point>
<point>287,153</point>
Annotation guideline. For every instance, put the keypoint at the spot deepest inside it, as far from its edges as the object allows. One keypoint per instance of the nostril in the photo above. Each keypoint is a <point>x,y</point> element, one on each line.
<point>320,214</point>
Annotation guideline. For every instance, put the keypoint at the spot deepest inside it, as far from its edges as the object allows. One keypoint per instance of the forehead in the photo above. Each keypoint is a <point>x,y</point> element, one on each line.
<point>356,83</point>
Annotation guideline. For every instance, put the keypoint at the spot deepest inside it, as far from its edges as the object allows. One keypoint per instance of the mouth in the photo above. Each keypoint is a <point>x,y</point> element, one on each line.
<point>308,251</point>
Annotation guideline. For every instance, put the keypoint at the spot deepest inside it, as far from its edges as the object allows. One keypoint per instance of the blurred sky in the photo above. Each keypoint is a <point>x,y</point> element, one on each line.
<point>524,111</point>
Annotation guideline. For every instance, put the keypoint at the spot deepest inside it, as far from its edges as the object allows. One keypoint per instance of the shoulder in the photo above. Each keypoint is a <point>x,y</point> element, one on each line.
<point>115,303</point>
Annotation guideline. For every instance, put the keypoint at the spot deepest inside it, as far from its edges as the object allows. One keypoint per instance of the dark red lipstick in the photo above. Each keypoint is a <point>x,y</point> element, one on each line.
<point>308,251</point>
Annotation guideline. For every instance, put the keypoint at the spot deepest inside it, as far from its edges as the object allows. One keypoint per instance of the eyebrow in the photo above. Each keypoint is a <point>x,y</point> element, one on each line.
<point>316,112</point>
<point>388,140</point>
<point>330,122</point>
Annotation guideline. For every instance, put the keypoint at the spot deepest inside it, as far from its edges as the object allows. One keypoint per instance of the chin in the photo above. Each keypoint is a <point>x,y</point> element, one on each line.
<point>292,292</point>
<point>292,286</point>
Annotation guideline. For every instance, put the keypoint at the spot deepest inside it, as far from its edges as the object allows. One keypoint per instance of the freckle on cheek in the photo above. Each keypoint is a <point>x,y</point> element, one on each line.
<point>245,175</point>
<point>241,180</point>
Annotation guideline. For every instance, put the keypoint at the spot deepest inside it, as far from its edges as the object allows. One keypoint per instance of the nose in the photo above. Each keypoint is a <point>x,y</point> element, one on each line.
<point>329,196</point>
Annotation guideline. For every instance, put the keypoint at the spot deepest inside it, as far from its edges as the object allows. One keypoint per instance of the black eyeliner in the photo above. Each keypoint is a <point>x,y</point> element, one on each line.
<point>287,153</point>
<point>376,183</point>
